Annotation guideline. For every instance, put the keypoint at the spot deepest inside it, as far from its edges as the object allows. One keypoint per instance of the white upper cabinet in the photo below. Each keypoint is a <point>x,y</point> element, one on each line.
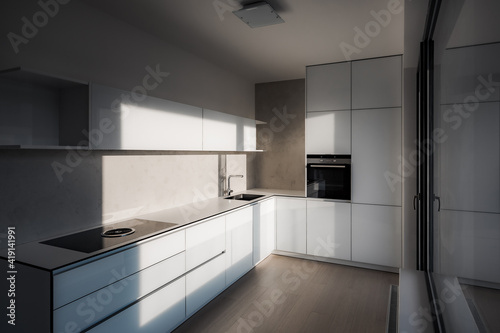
<point>226,132</point>
<point>329,229</point>
<point>376,154</point>
<point>146,123</point>
<point>376,83</point>
<point>328,132</point>
<point>329,87</point>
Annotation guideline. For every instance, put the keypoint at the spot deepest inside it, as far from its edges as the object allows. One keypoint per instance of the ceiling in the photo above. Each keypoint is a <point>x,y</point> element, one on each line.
<point>312,33</point>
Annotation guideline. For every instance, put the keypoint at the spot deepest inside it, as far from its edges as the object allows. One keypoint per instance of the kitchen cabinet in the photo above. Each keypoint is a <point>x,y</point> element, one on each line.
<point>328,87</point>
<point>42,111</point>
<point>204,283</point>
<point>161,311</point>
<point>205,241</point>
<point>329,229</point>
<point>264,229</point>
<point>376,156</point>
<point>376,235</point>
<point>118,295</point>
<point>470,245</point>
<point>226,132</point>
<point>120,121</point>
<point>72,283</point>
<point>469,73</point>
<point>291,225</point>
<point>465,183</point>
<point>376,83</point>
<point>239,244</point>
<point>328,132</point>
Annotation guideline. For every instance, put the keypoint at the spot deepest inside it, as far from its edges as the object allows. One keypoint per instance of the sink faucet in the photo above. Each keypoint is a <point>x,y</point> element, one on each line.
<point>229,191</point>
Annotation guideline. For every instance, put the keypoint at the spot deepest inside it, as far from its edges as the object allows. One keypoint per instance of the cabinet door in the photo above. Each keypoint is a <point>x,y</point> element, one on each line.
<point>204,283</point>
<point>149,124</point>
<point>205,241</point>
<point>226,132</point>
<point>239,244</point>
<point>376,156</point>
<point>329,229</point>
<point>291,225</point>
<point>264,232</point>
<point>72,284</point>
<point>469,159</point>
<point>376,235</point>
<point>329,87</point>
<point>376,83</point>
<point>328,132</point>
<point>162,311</point>
<point>102,303</point>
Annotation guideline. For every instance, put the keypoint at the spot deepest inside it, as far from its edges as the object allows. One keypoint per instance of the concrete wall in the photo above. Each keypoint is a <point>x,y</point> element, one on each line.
<point>85,44</point>
<point>282,106</point>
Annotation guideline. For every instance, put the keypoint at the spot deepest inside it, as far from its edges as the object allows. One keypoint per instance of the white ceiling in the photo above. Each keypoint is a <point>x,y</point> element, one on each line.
<point>311,34</point>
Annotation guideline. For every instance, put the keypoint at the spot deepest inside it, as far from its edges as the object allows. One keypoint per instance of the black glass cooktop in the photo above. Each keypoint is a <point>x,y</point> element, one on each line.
<point>115,234</point>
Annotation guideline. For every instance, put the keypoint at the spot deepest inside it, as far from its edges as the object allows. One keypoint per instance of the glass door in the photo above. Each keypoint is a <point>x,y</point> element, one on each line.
<point>459,185</point>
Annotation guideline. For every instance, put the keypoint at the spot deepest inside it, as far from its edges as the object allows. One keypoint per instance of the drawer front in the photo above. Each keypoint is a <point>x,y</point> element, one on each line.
<point>83,280</point>
<point>92,308</point>
<point>204,283</point>
<point>205,241</point>
<point>160,312</point>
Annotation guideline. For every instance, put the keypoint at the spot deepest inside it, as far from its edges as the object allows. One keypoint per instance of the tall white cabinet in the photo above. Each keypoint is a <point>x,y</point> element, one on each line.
<point>328,100</point>
<point>356,108</point>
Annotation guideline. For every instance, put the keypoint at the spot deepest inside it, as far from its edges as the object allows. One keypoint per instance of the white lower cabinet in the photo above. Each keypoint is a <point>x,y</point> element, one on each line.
<point>162,311</point>
<point>291,225</point>
<point>239,244</point>
<point>204,283</point>
<point>92,308</point>
<point>264,229</point>
<point>329,229</point>
<point>376,234</point>
<point>204,241</point>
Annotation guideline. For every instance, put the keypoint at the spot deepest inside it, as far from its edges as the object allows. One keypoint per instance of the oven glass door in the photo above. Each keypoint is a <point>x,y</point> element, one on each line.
<point>329,181</point>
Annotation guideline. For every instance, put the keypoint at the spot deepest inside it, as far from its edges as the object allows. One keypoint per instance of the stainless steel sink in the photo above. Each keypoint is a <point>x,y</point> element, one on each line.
<point>246,197</point>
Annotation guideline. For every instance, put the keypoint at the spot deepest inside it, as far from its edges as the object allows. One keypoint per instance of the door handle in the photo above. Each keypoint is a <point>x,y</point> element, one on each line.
<point>439,202</point>
<point>415,198</point>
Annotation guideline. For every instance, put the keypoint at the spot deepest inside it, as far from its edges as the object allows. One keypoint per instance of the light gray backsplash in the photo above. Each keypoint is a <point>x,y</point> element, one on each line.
<point>282,106</point>
<point>105,187</point>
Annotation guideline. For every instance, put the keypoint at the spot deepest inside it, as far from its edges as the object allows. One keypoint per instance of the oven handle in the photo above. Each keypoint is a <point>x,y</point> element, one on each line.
<point>326,166</point>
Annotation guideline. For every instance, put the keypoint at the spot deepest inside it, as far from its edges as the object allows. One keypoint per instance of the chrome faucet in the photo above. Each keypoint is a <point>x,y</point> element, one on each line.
<point>229,191</point>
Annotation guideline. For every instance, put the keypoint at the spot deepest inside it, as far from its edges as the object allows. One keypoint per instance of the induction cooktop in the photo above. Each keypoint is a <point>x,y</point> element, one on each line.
<point>107,236</point>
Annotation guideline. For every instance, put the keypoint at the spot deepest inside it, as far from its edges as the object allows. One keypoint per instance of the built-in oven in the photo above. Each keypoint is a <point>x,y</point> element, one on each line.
<point>329,176</point>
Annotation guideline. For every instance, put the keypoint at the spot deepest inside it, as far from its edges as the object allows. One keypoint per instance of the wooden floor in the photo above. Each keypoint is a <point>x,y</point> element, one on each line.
<point>284,294</point>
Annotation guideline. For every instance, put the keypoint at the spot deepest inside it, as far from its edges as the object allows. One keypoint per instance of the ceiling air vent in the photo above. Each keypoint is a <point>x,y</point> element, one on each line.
<point>259,14</point>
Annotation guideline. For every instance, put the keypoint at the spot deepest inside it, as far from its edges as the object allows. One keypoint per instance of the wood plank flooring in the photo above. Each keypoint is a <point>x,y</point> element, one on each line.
<point>284,294</point>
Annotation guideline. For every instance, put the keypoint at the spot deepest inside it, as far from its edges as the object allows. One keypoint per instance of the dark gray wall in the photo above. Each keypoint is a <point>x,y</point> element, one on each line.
<point>282,106</point>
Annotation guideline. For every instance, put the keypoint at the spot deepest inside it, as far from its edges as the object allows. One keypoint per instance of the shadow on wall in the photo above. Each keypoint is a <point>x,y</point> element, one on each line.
<point>281,105</point>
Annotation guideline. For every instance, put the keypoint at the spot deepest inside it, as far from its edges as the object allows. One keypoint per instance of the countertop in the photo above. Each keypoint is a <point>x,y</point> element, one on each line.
<point>51,258</point>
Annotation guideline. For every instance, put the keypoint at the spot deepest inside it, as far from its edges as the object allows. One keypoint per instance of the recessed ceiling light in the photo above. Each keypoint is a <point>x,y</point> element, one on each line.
<point>259,14</point>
